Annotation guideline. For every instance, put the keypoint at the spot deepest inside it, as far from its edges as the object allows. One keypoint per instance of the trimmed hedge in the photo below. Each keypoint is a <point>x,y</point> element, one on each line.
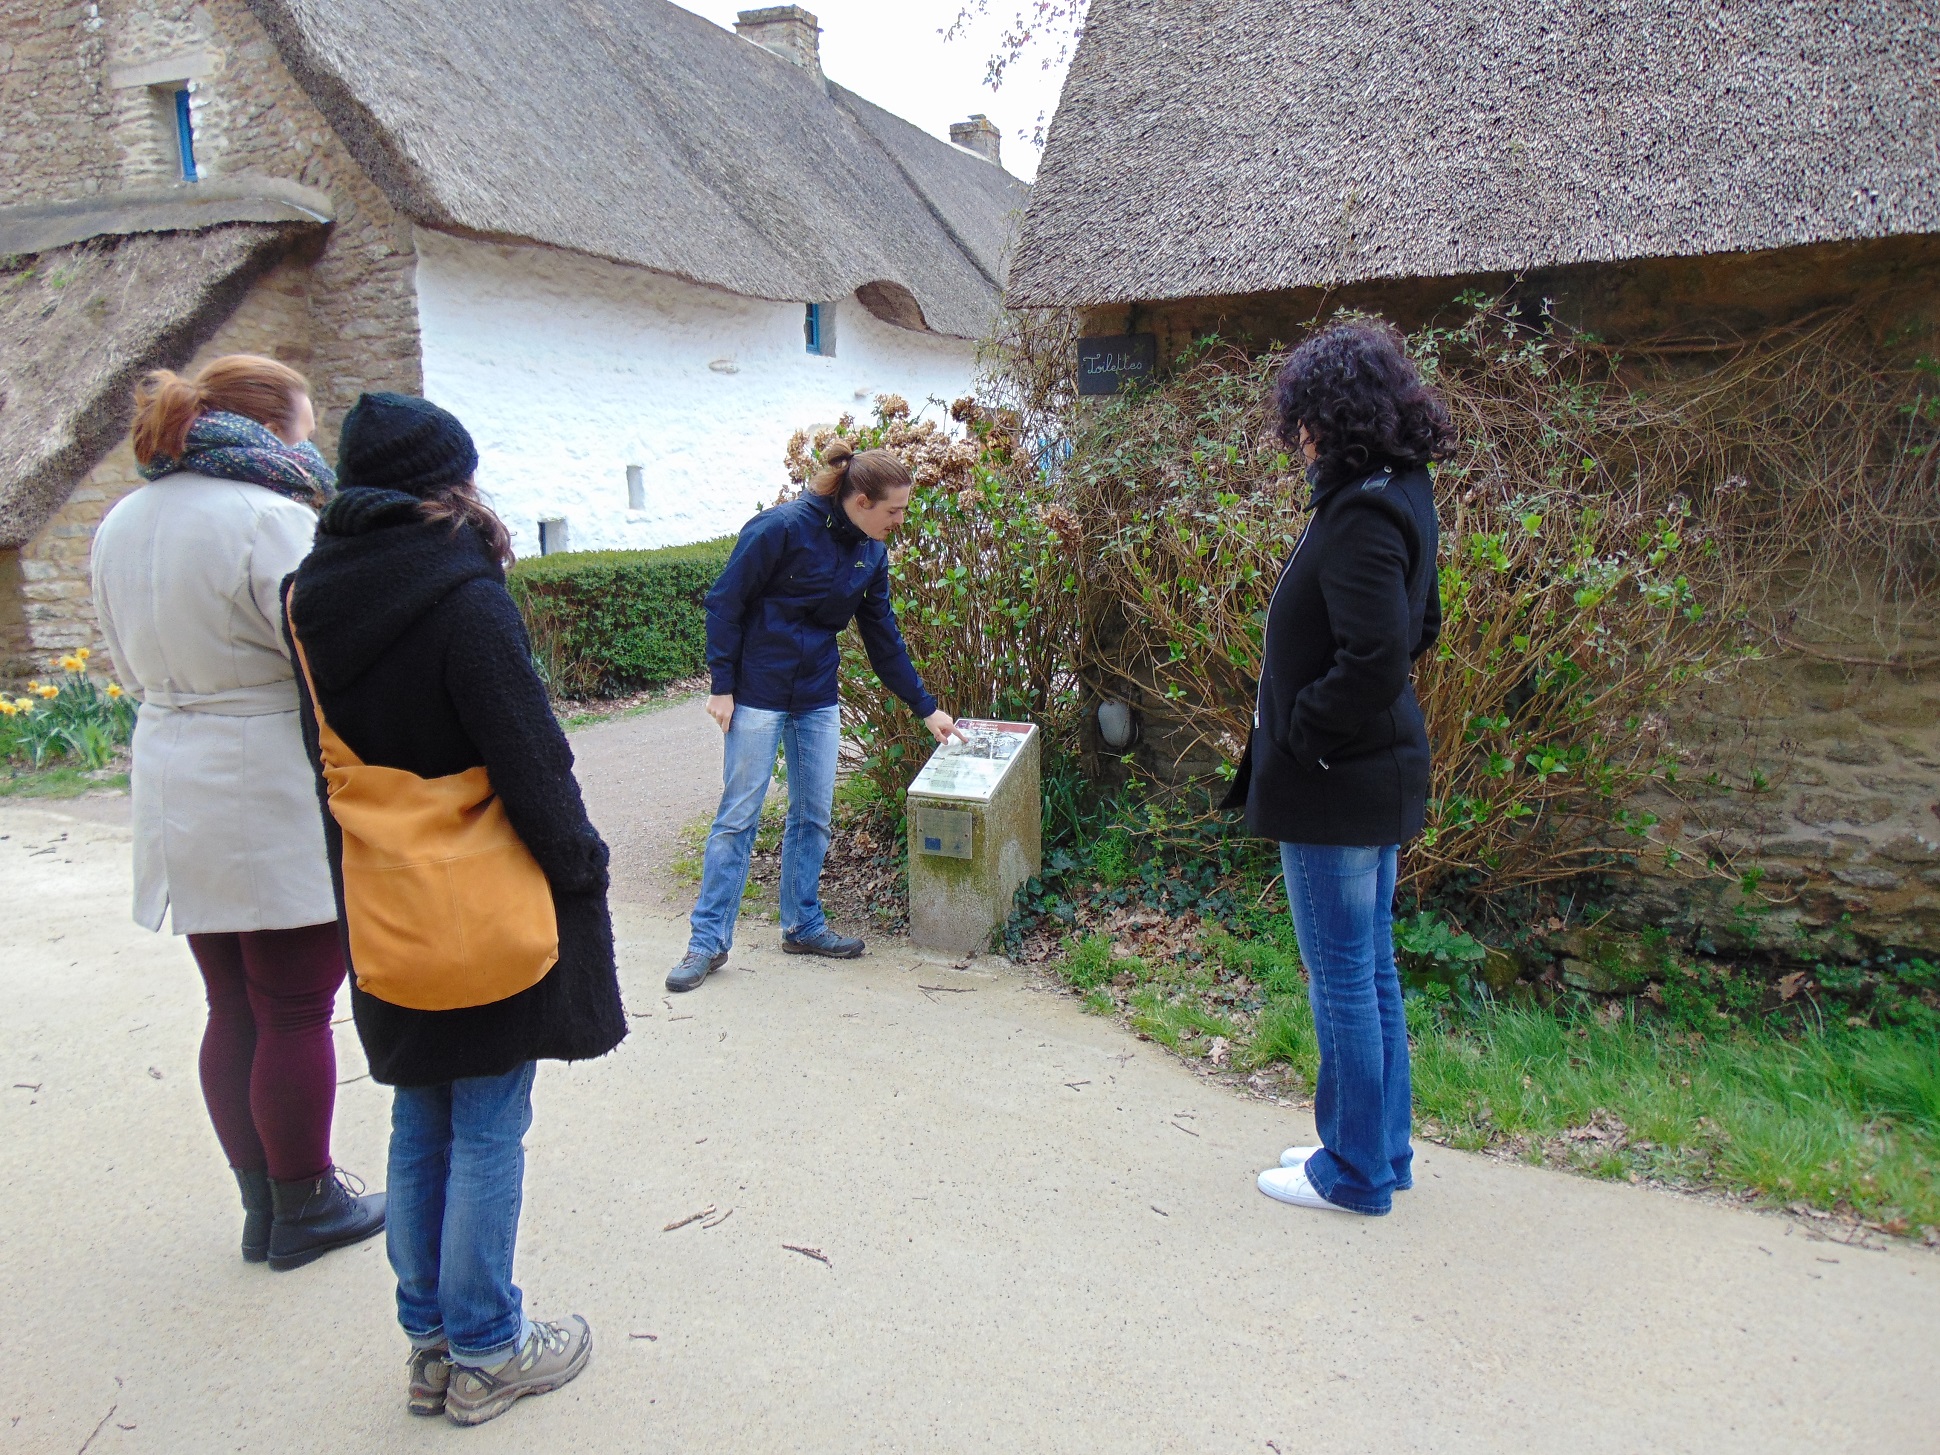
<point>608,622</point>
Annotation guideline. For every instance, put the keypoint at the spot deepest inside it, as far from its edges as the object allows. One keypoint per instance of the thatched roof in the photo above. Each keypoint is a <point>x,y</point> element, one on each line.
<point>634,130</point>
<point>1214,147</point>
<point>83,323</point>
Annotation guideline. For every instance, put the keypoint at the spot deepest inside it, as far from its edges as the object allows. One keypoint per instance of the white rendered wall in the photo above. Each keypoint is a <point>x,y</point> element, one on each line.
<point>567,370</point>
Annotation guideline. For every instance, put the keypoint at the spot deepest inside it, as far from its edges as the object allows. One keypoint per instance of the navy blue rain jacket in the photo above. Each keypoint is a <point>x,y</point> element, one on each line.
<point>798,575</point>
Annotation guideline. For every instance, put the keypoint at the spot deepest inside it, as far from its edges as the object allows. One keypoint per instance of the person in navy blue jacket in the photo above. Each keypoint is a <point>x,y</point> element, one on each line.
<point>799,574</point>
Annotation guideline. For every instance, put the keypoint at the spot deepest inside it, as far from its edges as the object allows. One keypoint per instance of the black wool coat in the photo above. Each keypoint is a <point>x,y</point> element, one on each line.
<point>1339,751</point>
<point>422,663</point>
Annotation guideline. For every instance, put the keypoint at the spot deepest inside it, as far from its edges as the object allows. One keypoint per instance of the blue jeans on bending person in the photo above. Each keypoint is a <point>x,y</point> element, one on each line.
<point>1343,913</point>
<point>457,1179</point>
<point>811,741</point>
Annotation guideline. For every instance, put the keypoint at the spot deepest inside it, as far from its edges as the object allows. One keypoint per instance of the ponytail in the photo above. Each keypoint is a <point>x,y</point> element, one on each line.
<point>166,405</point>
<point>256,387</point>
<point>846,471</point>
<point>462,505</point>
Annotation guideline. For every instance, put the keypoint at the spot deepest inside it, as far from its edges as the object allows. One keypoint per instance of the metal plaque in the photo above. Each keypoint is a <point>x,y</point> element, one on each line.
<point>1108,364</point>
<point>947,833</point>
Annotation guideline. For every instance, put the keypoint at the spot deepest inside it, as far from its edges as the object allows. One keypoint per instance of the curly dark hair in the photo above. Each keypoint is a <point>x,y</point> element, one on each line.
<point>1363,402</point>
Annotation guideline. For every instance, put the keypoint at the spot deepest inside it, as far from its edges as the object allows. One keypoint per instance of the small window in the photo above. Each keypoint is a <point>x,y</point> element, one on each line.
<point>636,488</point>
<point>552,537</point>
<point>185,134</point>
<point>819,329</point>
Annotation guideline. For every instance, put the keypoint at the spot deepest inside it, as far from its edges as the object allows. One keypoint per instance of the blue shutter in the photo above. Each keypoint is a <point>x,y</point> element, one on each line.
<point>185,134</point>
<point>812,328</point>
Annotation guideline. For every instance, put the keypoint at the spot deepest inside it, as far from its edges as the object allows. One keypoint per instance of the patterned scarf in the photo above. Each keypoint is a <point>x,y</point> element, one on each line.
<point>230,447</point>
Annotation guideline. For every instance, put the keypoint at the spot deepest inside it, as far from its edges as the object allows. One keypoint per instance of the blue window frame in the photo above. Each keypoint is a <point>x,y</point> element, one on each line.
<point>812,328</point>
<point>185,134</point>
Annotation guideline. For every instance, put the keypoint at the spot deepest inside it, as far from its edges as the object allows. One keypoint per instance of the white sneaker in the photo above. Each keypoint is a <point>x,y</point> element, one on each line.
<point>1289,1184</point>
<point>1294,1156</point>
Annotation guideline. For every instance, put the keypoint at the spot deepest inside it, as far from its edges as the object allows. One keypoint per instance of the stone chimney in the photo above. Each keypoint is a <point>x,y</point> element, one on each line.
<point>787,30</point>
<point>980,135</point>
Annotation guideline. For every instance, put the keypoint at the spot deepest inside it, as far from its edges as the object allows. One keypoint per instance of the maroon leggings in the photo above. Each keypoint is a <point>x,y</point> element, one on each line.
<point>269,1067</point>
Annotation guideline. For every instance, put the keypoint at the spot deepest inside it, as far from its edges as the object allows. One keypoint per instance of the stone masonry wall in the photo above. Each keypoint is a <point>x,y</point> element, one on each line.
<point>347,316</point>
<point>1816,773</point>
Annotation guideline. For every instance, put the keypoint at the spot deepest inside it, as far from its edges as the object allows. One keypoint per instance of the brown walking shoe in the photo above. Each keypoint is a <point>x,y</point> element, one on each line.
<point>552,1355</point>
<point>430,1377</point>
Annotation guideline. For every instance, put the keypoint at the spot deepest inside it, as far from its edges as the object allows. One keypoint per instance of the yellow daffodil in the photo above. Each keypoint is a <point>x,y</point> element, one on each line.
<point>114,689</point>
<point>24,704</point>
<point>33,686</point>
<point>72,664</point>
<point>7,709</point>
<point>83,653</point>
<point>50,692</point>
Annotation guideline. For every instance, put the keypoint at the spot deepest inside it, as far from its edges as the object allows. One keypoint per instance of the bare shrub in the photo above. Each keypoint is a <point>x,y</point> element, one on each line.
<point>1617,527</point>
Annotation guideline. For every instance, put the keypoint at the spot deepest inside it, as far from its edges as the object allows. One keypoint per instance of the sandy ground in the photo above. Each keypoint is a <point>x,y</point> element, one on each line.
<point>646,778</point>
<point>1042,1235</point>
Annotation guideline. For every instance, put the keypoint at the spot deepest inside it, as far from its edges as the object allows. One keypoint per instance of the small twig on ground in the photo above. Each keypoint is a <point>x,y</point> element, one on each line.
<point>104,1421</point>
<point>816,1253</point>
<point>1074,1085</point>
<point>930,992</point>
<point>349,1079</point>
<point>706,1212</point>
<point>641,1015</point>
<point>716,1222</point>
<point>1187,1130</point>
<point>651,1338</point>
<point>680,1017</point>
<point>27,1086</point>
<point>1160,1211</point>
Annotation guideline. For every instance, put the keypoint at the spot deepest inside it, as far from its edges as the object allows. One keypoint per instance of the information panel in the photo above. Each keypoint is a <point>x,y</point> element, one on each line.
<point>972,769</point>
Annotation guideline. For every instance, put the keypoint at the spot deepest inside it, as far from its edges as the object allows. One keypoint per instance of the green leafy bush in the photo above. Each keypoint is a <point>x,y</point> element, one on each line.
<point>1428,949</point>
<point>607,622</point>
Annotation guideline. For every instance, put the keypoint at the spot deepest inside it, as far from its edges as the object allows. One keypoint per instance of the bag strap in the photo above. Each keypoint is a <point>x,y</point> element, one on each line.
<point>334,751</point>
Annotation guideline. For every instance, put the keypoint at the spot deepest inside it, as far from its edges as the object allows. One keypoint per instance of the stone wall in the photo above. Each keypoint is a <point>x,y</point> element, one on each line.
<point>55,591</point>
<point>1816,774</point>
<point>83,120</point>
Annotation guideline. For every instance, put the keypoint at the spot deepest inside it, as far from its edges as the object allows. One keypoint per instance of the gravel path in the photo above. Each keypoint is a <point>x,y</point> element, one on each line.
<point>645,778</point>
<point>1040,1234</point>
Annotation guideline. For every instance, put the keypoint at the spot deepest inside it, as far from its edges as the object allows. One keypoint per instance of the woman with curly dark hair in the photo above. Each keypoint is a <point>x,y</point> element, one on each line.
<point>1336,768</point>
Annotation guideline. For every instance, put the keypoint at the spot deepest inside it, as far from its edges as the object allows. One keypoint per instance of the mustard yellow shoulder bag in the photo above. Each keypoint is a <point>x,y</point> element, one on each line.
<point>445,904</point>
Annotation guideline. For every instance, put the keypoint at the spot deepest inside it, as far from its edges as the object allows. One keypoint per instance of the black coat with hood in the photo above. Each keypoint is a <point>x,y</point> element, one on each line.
<point>1339,751</point>
<point>422,663</point>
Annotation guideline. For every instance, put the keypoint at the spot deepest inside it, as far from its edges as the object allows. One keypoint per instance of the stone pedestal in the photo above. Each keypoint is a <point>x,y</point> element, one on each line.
<point>975,834</point>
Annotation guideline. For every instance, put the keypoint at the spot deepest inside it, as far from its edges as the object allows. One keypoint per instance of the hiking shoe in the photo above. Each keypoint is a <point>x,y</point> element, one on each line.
<point>259,1210</point>
<point>1289,1184</point>
<point>694,967</point>
<point>1295,1156</point>
<point>430,1378</point>
<point>317,1214</point>
<point>553,1354</point>
<point>827,944</point>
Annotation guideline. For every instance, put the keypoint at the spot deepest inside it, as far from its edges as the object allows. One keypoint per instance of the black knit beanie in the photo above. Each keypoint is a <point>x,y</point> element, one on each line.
<point>402,442</point>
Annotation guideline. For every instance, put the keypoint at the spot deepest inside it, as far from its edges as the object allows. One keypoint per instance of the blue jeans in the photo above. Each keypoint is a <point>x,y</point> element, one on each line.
<point>811,740</point>
<point>1343,913</point>
<point>457,1177</point>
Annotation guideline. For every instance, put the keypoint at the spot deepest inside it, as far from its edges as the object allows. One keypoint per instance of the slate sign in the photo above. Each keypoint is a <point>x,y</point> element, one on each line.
<point>1106,364</point>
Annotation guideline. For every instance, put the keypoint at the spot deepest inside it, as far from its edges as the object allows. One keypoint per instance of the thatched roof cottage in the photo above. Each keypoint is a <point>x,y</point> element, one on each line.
<point>1687,176</point>
<point>1648,165</point>
<point>632,249</point>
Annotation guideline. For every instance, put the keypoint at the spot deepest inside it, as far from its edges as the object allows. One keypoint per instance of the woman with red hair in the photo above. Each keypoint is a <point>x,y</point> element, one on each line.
<point>188,572</point>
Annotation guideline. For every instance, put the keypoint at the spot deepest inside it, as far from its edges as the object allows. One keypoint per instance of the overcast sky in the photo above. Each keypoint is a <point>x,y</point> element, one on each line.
<point>892,52</point>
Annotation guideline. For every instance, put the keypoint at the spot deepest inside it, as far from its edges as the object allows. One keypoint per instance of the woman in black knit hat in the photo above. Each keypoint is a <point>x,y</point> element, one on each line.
<point>416,660</point>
